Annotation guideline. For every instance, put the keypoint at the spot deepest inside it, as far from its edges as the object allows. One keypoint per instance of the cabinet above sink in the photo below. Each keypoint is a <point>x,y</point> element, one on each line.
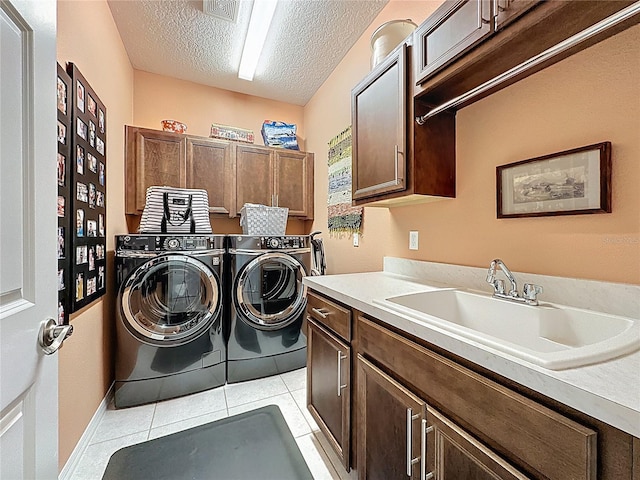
<point>466,43</point>
<point>393,162</point>
<point>403,112</point>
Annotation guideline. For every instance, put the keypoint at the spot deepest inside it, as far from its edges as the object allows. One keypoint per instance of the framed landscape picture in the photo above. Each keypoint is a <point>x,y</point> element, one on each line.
<point>572,182</point>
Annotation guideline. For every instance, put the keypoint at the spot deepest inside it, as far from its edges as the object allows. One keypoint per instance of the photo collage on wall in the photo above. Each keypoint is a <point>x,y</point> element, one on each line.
<point>64,103</point>
<point>88,193</point>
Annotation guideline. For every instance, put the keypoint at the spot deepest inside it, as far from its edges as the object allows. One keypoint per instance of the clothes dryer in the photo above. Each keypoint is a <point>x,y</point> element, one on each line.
<point>266,305</point>
<point>169,316</point>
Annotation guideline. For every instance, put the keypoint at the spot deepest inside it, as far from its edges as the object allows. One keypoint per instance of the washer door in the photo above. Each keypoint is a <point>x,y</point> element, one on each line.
<point>268,291</point>
<point>170,299</point>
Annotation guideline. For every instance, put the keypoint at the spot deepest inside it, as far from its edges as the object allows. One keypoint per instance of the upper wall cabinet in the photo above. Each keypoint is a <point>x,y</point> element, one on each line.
<point>506,11</point>
<point>457,26</point>
<point>469,43</point>
<point>379,116</point>
<point>453,29</point>
<point>165,158</point>
<point>466,50</point>
<point>393,162</point>
<point>276,177</point>
<point>209,167</point>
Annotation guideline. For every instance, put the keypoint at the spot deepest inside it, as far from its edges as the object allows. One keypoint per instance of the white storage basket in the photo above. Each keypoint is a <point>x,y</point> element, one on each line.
<point>258,219</point>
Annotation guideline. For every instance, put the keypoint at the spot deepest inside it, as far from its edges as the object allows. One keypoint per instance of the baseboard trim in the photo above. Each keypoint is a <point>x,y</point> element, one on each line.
<point>72,462</point>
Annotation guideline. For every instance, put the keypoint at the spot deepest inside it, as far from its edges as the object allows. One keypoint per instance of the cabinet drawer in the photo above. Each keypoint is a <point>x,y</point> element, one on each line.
<point>534,437</point>
<point>333,316</point>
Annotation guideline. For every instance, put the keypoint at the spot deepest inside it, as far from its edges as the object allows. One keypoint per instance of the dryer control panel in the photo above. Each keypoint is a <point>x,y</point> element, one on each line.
<point>268,242</point>
<point>284,242</point>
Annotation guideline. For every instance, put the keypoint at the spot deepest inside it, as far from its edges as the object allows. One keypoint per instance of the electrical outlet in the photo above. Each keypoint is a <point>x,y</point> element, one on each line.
<point>413,240</point>
<point>356,240</point>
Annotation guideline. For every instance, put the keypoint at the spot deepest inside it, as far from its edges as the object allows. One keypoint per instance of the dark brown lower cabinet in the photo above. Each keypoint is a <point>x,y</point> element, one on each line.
<point>416,413</point>
<point>329,387</point>
<point>456,455</point>
<point>390,419</point>
<point>398,432</point>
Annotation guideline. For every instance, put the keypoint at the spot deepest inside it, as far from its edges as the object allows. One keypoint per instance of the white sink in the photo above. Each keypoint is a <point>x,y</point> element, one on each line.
<point>552,336</point>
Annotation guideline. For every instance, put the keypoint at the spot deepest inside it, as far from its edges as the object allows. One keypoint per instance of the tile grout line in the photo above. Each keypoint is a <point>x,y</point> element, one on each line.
<point>153,417</point>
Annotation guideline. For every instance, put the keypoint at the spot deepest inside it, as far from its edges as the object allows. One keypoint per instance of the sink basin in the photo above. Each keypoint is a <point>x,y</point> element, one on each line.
<point>552,336</point>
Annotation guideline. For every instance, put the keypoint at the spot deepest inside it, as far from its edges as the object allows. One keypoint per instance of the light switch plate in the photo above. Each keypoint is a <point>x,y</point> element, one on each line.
<point>413,240</point>
<point>356,240</point>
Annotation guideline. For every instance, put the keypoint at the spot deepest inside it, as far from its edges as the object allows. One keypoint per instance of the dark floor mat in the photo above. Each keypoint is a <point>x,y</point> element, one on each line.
<point>255,444</point>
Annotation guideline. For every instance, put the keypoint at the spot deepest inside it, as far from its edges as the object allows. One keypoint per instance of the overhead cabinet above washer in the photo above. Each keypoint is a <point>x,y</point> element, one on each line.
<point>155,157</point>
<point>275,177</point>
<point>232,174</point>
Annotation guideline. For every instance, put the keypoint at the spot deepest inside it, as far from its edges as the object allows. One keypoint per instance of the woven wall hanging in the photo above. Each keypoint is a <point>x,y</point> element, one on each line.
<point>343,218</point>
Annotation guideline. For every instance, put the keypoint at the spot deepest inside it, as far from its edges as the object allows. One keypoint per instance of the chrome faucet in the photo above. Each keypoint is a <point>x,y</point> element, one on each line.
<point>529,292</point>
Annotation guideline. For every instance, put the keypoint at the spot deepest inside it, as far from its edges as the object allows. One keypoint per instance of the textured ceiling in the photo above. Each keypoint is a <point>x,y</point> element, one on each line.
<point>307,40</point>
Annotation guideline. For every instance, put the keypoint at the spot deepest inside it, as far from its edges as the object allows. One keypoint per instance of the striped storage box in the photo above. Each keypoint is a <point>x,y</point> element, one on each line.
<point>175,210</point>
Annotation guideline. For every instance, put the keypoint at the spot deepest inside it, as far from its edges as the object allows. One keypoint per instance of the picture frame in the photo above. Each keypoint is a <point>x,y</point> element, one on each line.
<point>87,199</point>
<point>65,159</point>
<point>61,93</point>
<point>80,95</point>
<point>571,182</point>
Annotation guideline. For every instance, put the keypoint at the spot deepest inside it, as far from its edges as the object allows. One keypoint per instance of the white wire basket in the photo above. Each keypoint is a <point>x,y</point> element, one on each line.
<point>258,219</point>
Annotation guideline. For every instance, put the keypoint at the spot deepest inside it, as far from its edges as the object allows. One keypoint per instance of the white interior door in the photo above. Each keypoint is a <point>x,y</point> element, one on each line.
<point>28,220</point>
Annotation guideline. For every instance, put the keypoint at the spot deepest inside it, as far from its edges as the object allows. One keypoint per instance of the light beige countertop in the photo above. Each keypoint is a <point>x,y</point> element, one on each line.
<point>608,391</point>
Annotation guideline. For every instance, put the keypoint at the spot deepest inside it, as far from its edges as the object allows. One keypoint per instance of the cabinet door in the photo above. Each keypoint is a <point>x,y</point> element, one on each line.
<point>506,11</point>
<point>389,426</point>
<point>209,165</point>
<point>329,387</point>
<point>379,117</point>
<point>294,182</point>
<point>456,455</point>
<point>153,158</point>
<point>254,176</point>
<point>454,28</point>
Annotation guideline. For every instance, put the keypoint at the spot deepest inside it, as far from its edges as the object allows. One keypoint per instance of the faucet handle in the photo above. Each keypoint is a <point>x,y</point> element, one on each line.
<point>531,291</point>
<point>491,277</point>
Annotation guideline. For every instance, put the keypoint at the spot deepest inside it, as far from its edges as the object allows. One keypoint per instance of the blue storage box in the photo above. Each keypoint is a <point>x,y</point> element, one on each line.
<point>279,134</point>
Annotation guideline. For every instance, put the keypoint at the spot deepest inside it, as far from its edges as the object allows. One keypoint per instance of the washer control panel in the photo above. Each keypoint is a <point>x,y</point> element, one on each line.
<point>167,242</point>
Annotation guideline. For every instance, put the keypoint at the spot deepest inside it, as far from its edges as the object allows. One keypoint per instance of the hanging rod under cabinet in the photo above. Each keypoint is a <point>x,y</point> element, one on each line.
<point>603,25</point>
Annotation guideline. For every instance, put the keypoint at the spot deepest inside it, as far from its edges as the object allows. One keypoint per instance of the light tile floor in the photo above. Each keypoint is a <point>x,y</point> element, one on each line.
<point>120,428</point>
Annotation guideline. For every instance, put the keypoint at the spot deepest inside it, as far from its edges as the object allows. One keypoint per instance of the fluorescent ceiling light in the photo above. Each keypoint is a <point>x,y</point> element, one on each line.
<point>261,16</point>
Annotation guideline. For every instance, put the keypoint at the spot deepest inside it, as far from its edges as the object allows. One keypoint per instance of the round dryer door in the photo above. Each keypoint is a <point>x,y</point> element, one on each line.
<point>170,299</point>
<point>268,291</point>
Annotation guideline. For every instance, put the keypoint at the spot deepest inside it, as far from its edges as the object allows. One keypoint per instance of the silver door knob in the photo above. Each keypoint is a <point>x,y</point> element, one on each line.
<point>51,335</point>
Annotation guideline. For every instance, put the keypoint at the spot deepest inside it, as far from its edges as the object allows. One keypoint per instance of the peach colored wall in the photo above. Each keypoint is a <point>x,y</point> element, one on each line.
<point>157,97</point>
<point>87,36</point>
<point>588,98</point>
<point>325,116</point>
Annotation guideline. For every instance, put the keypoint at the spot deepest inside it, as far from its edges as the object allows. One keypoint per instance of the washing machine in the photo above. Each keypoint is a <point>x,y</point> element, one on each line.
<point>169,316</point>
<point>266,305</point>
